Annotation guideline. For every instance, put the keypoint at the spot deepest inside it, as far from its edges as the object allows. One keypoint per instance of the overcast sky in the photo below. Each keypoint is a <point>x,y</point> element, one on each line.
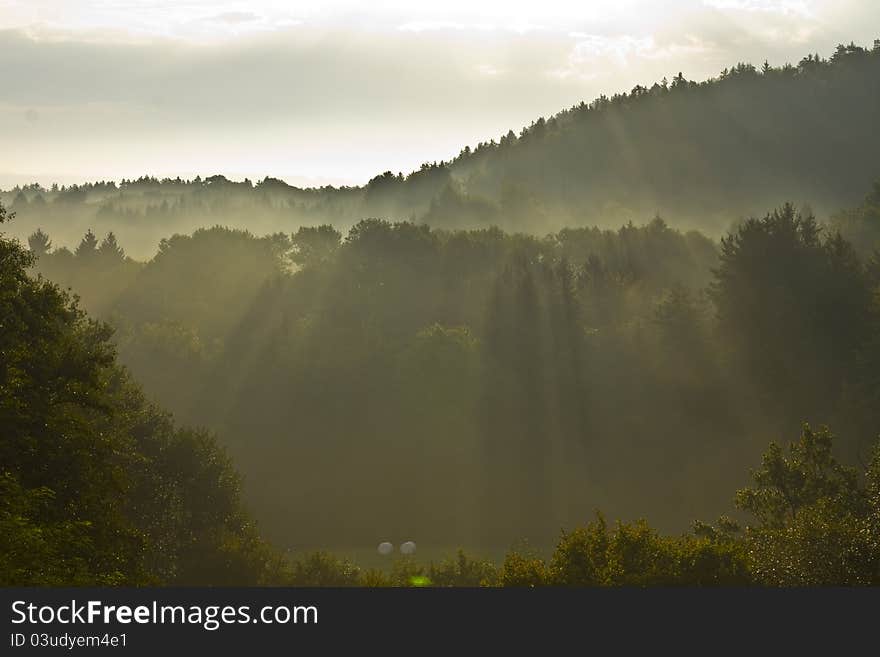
<point>336,92</point>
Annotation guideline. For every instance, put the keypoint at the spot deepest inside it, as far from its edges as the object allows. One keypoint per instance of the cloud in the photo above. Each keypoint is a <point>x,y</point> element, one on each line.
<point>488,70</point>
<point>436,26</point>
<point>291,75</point>
<point>237,17</point>
<point>786,7</point>
<point>303,92</point>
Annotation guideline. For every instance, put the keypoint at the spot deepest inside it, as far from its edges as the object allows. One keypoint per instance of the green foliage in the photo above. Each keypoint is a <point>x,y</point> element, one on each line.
<point>636,555</point>
<point>323,569</point>
<point>110,249</point>
<point>816,521</point>
<point>810,474</point>
<point>523,570</point>
<point>824,545</point>
<point>793,310</point>
<point>99,487</point>
<point>98,272</point>
<point>375,578</point>
<point>462,570</point>
<point>38,552</point>
<point>314,245</point>
<point>706,562</point>
<point>437,372</point>
<point>407,572</point>
<point>207,280</point>
<point>39,243</point>
<point>88,246</point>
<point>581,556</point>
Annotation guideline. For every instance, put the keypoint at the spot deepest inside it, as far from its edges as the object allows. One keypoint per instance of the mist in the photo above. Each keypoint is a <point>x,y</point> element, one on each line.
<point>321,298</point>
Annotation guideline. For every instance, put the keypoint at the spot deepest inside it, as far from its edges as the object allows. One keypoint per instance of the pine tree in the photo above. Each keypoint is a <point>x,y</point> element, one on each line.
<point>39,243</point>
<point>110,248</point>
<point>88,246</point>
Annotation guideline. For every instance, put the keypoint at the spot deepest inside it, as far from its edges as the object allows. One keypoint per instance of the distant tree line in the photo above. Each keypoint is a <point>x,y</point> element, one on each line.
<point>708,153</point>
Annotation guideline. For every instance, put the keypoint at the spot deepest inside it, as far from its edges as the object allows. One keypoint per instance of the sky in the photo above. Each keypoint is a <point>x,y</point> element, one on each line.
<point>336,92</point>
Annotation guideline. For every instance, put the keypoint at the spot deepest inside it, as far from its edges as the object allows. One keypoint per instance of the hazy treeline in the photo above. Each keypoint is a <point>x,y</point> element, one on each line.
<point>99,487</point>
<point>477,387</point>
<point>707,153</point>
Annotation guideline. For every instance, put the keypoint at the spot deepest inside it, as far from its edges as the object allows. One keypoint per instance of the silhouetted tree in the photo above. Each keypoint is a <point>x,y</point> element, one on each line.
<point>39,243</point>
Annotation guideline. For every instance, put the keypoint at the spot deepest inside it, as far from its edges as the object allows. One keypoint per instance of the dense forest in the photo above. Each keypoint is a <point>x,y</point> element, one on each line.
<point>462,377</point>
<point>708,154</point>
<point>354,423</point>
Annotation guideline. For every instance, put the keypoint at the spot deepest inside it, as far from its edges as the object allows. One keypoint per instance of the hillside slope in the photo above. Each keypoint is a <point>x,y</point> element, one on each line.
<point>703,155</point>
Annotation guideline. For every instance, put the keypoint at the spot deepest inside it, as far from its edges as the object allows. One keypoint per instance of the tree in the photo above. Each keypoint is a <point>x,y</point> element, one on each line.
<point>323,569</point>
<point>87,246</point>
<point>816,522</point>
<point>861,225</point>
<point>786,485</point>
<point>314,245</point>
<point>110,249</point>
<point>463,570</point>
<point>792,308</point>
<point>39,243</point>
<point>680,320</point>
<point>633,554</point>
<point>523,570</point>
<point>98,487</point>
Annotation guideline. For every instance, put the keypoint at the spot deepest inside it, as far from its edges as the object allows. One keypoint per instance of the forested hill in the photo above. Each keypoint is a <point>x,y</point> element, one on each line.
<point>700,154</point>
